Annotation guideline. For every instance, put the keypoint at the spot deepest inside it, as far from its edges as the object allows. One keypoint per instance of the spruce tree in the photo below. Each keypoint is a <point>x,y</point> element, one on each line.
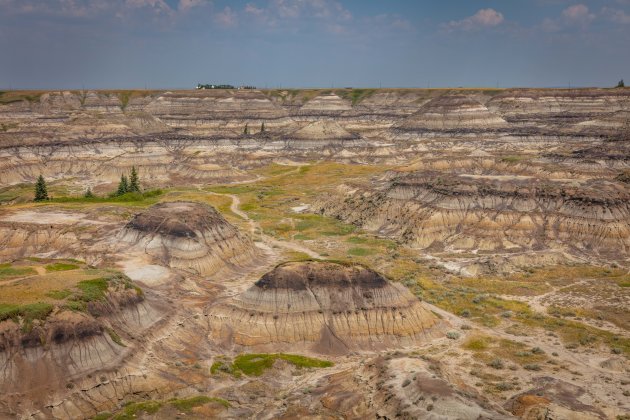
<point>88,193</point>
<point>621,84</point>
<point>262,128</point>
<point>123,186</point>
<point>134,183</point>
<point>246,130</point>
<point>41,192</point>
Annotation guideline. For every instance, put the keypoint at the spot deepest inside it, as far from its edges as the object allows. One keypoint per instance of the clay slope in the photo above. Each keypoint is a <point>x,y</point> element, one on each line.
<point>69,343</point>
<point>452,112</point>
<point>327,307</point>
<point>486,212</point>
<point>190,236</point>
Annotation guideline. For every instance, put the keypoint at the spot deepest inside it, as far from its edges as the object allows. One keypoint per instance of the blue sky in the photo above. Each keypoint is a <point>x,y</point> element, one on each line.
<point>47,44</point>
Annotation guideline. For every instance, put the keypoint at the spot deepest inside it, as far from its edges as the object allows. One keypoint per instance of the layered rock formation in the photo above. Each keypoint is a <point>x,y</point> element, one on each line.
<point>65,344</point>
<point>183,136</point>
<point>449,113</point>
<point>328,307</point>
<point>190,236</point>
<point>438,210</point>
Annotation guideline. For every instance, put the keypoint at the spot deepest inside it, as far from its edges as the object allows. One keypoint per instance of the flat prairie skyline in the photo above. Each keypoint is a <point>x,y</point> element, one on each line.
<point>175,44</point>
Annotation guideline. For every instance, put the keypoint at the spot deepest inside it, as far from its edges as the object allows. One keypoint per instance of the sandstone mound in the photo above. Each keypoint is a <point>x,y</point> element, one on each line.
<point>451,112</point>
<point>323,130</point>
<point>190,236</point>
<point>330,307</point>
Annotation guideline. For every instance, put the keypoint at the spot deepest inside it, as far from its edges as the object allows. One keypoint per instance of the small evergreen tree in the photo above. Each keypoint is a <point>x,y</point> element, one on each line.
<point>246,130</point>
<point>134,183</point>
<point>123,186</point>
<point>88,193</point>
<point>621,84</point>
<point>41,192</point>
<point>262,128</point>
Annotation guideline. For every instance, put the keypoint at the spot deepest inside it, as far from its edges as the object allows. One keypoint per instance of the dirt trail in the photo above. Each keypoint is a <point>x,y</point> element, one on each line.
<point>256,230</point>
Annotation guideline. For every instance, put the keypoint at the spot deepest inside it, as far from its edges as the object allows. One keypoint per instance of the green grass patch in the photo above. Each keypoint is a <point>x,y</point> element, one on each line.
<point>61,267</point>
<point>59,294</point>
<point>131,197</point>
<point>255,364</point>
<point>360,252</point>
<point>28,313</point>
<point>7,271</point>
<point>115,337</point>
<point>355,95</point>
<point>357,240</point>
<point>132,410</point>
<point>188,404</point>
<point>93,290</point>
<point>476,343</point>
<point>302,237</point>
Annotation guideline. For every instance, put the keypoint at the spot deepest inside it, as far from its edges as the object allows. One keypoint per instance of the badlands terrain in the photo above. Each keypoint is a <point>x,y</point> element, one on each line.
<point>343,253</point>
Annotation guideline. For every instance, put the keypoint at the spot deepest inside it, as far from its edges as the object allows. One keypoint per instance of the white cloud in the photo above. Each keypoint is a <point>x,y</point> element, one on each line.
<point>484,18</point>
<point>577,14</point>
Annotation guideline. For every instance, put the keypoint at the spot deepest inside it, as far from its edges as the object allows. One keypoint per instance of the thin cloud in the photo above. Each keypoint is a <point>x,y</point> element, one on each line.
<point>226,18</point>
<point>616,15</point>
<point>484,18</point>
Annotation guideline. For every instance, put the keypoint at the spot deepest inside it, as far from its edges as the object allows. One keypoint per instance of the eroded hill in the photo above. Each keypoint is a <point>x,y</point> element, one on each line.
<point>326,253</point>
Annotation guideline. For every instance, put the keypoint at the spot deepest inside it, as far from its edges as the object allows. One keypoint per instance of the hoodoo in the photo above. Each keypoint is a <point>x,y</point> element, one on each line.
<point>330,307</point>
<point>190,236</point>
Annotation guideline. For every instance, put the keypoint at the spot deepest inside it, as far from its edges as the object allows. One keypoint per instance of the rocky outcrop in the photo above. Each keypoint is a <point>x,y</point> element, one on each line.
<point>327,307</point>
<point>177,137</point>
<point>67,344</point>
<point>491,212</point>
<point>452,113</point>
<point>190,236</point>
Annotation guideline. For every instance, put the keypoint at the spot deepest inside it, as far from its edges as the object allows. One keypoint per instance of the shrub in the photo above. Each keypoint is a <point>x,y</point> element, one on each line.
<point>452,335</point>
<point>532,366</point>
<point>496,364</point>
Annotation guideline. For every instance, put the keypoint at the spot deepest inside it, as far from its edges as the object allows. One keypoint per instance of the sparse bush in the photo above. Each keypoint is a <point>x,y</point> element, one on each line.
<point>504,386</point>
<point>465,313</point>
<point>538,350</point>
<point>453,335</point>
<point>532,366</point>
<point>496,364</point>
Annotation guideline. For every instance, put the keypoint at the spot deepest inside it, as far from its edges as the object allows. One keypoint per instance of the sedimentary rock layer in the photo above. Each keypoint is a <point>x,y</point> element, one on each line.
<point>329,307</point>
<point>182,136</point>
<point>190,236</point>
<point>438,210</point>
